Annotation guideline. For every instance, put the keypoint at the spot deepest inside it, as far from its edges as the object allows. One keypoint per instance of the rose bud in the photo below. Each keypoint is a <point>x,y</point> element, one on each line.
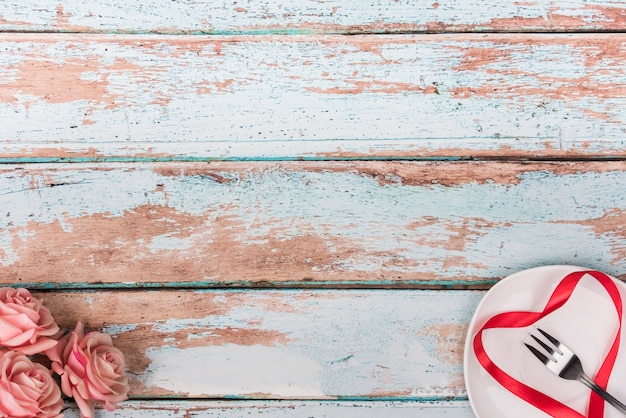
<point>27,389</point>
<point>25,324</point>
<point>91,370</point>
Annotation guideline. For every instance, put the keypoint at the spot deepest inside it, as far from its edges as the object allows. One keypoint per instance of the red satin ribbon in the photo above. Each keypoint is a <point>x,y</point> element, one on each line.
<point>559,297</point>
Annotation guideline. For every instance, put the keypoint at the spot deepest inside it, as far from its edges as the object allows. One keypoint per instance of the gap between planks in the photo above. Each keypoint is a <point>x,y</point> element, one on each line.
<point>486,157</point>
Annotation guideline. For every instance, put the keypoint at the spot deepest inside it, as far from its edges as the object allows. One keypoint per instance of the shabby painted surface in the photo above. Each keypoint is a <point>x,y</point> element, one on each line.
<point>307,223</point>
<point>82,97</point>
<point>287,344</point>
<point>310,17</point>
<point>301,409</point>
<point>241,274</point>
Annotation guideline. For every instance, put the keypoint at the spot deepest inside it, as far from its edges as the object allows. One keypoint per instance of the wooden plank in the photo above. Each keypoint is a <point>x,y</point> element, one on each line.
<point>301,16</point>
<point>291,409</point>
<point>306,223</point>
<point>288,344</point>
<point>99,97</point>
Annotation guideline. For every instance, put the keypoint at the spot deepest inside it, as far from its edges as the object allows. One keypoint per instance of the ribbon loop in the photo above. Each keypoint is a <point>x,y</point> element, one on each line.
<point>518,319</point>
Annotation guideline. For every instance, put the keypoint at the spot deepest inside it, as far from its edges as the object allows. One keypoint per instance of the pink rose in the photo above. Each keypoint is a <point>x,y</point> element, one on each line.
<point>27,389</point>
<point>91,370</point>
<point>25,324</point>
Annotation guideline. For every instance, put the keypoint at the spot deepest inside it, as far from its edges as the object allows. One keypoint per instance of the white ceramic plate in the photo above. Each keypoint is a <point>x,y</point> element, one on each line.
<point>587,323</point>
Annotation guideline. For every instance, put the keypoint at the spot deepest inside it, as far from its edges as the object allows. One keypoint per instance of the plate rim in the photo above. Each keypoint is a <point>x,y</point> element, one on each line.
<point>468,349</point>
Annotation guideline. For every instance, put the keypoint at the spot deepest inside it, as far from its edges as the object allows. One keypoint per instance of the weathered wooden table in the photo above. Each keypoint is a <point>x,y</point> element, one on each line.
<point>293,208</point>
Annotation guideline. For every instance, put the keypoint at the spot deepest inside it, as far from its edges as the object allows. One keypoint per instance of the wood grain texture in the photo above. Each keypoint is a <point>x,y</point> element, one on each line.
<point>240,282</point>
<point>306,223</point>
<point>324,409</point>
<point>119,98</point>
<point>289,344</point>
<point>306,17</point>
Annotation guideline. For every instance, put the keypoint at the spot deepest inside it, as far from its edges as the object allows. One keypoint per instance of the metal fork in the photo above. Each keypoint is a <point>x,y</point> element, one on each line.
<point>563,362</point>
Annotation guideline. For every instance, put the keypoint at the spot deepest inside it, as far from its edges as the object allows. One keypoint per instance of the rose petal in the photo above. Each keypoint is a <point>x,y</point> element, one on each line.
<point>8,329</point>
<point>7,309</point>
<point>42,345</point>
<point>27,389</point>
<point>9,406</point>
<point>76,362</point>
<point>86,407</point>
<point>91,369</point>
<point>32,312</point>
<point>20,339</point>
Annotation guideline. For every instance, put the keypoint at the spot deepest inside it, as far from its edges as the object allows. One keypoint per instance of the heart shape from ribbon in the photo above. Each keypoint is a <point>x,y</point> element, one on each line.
<point>519,319</point>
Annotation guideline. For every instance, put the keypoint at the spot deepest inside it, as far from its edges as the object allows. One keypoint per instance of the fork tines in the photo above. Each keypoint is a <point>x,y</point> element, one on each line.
<point>549,351</point>
<point>549,337</point>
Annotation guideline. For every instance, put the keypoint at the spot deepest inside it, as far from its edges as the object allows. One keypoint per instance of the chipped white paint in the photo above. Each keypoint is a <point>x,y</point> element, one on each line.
<point>301,16</point>
<point>272,80</point>
<point>359,344</point>
<point>371,225</point>
<point>284,409</point>
<point>235,371</point>
<point>318,97</point>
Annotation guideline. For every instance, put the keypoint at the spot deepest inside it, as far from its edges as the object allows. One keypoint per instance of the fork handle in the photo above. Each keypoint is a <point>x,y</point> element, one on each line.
<point>603,393</point>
